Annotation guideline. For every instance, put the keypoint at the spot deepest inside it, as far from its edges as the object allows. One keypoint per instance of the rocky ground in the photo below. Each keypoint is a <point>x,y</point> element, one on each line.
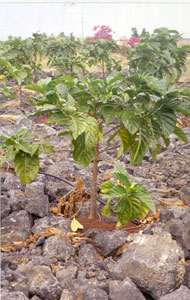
<point>42,259</point>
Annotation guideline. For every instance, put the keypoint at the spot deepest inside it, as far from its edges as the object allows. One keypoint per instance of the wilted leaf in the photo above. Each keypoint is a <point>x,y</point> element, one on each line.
<point>75,225</point>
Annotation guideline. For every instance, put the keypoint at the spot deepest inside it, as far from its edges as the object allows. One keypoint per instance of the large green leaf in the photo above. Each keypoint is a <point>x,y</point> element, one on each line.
<point>180,133</point>
<point>167,120</point>
<point>34,87</point>
<point>81,154</point>
<point>91,132</point>
<point>106,186</point>
<point>11,153</point>
<point>25,147</point>
<point>142,194</point>
<point>130,121</point>
<point>126,140</point>
<point>122,175</point>
<point>116,191</point>
<point>139,148</point>
<point>109,113</point>
<point>77,126</point>
<point>46,148</point>
<point>106,209</point>
<point>26,167</point>
<point>59,118</point>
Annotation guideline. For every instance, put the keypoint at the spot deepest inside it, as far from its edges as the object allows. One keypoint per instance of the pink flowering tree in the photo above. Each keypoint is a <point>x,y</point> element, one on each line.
<point>99,48</point>
<point>133,40</point>
<point>102,32</point>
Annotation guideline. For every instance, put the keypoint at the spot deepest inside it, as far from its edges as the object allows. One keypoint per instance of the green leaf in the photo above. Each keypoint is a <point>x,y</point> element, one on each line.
<point>142,194</point>
<point>106,186</point>
<point>126,140</point>
<point>167,119</point>
<point>25,147</point>
<point>62,90</point>
<point>64,133</point>
<point>27,135</point>
<point>81,154</point>
<point>180,133</point>
<point>109,113</point>
<point>122,175</point>
<point>77,126</point>
<point>58,118</point>
<point>91,132</point>
<point>46,148</point>
<point>106,209</point>
<point>10,153</point>
<point>34,87</point>
<point>144,211</point>
<point>26,167</point>
<point>35,148</point>
<point>139,148</point>
<point>116,191</point>
<point>75,225</point>
<point>130,121</point>
<point>76,69</point>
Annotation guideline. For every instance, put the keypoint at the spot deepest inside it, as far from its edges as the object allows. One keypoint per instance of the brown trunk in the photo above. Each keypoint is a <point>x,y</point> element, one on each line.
<point>92,214</point>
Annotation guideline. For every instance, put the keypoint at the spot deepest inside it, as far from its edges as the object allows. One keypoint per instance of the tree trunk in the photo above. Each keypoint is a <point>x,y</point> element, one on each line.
<point>92,214</point>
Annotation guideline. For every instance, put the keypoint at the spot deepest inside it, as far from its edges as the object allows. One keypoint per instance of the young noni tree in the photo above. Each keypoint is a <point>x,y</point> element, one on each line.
<point>99,48</point>
<point>159,54</point>
<point>138,112</point>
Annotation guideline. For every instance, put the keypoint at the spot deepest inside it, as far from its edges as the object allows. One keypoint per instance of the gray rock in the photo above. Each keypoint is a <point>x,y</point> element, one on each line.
<point>8,295</point>
<point>124,290</point>
<point>35,298</point>
<point>171,212</point>
<point>183,293</point>
<point>17,200</point>
<point>185,191</point>
<point>40,225</point>
<point>110,241</point>
<point>180,231</point>
<point>65,274</point>
<point>19,222</point>
<point>20,283</point>
<point>86,291</point>
<point>12,182</point>
<point>90,293</point>
<point>38,203</point>
<point>155,263</point>
<point>56,189</point>
<point>186,281</point>
<point>5,207</point>
<point>41,281</point>
<point>45,261</point>
<point>25,123</point>
<point>59,247</point>
<point>87,255</point>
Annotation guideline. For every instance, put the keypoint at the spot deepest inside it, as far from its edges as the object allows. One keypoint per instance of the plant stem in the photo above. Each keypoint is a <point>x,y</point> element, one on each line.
<point>111,148</point>
<point>111,130</point>
<point>92,214</point>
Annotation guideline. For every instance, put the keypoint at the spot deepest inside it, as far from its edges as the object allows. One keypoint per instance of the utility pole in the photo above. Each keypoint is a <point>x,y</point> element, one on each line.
<point>82,22</point>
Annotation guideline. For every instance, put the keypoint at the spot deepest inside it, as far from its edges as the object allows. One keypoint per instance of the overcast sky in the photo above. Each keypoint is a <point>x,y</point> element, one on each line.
<point>22,19</point>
